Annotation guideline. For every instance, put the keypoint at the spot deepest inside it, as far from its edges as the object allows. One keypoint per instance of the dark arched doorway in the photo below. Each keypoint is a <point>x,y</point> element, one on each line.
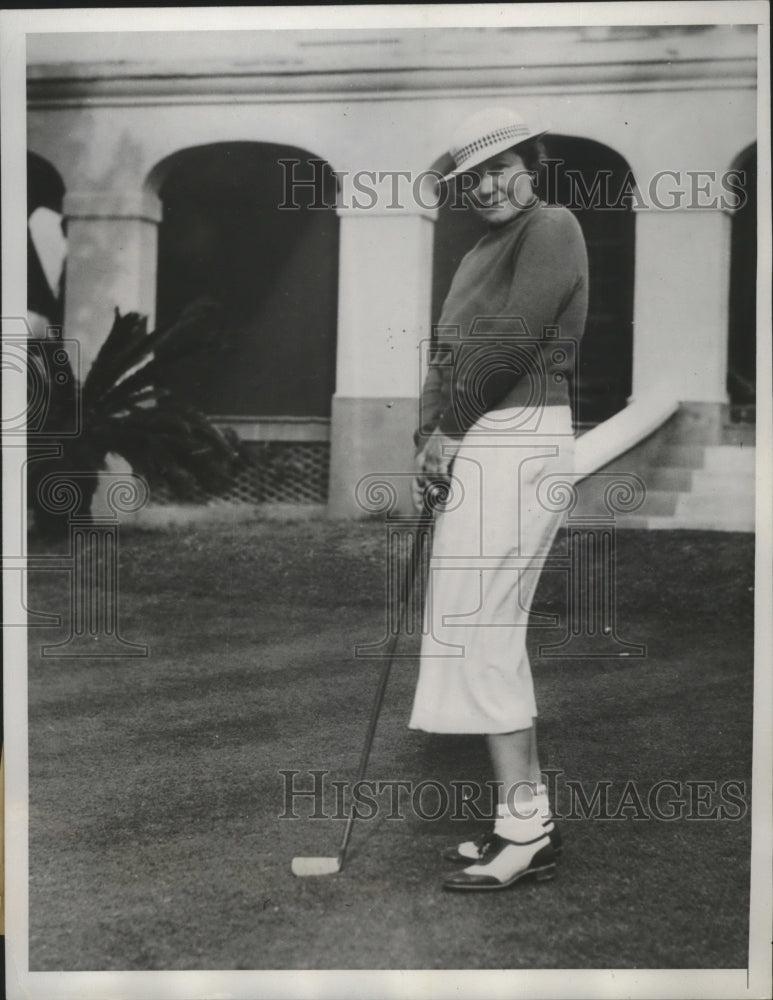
<point>742,332</point>
<point>52,360</point>
<point>274,271</point>
<point>595,183</point>
<point>45,241</point>
<point>231,233</point>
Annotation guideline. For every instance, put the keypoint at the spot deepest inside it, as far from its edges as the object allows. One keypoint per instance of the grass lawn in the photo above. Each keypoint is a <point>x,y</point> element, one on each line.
<point>155,790</point>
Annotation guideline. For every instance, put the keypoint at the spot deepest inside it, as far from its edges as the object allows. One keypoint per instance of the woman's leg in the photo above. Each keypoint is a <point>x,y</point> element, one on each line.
<point>515,762</point>
<point>523,841</point>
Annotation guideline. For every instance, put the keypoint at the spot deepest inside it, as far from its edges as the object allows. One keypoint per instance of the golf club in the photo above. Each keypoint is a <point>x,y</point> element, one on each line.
<point>435,493</point>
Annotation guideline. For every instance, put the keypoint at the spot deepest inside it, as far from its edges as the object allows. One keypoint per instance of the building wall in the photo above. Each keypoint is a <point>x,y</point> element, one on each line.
<point>676,102</point>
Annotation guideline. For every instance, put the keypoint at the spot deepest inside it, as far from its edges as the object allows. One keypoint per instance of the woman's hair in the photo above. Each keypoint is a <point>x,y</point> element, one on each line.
<point>533,154</point>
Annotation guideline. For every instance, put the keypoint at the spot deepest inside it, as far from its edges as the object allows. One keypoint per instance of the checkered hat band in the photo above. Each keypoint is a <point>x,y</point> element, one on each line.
<point>495,138</point>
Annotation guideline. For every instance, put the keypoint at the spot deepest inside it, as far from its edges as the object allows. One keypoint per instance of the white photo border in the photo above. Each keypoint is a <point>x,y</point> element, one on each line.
<point>752,982</point>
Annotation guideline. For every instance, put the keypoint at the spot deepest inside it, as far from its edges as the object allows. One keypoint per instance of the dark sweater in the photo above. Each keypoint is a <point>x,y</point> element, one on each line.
<point>491,351</point>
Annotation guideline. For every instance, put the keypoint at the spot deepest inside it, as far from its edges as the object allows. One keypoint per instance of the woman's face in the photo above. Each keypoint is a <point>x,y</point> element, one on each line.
<point>504,188</point>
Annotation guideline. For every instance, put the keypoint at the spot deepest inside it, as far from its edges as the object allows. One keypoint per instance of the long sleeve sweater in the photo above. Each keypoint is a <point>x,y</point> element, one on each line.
<point>492,350</point>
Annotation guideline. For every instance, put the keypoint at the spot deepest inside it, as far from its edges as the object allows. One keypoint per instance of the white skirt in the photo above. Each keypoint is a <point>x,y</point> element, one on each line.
<point>489,548</point>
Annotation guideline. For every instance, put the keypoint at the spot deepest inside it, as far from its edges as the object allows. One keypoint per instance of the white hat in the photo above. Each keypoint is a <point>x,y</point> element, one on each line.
<point>486,133</point>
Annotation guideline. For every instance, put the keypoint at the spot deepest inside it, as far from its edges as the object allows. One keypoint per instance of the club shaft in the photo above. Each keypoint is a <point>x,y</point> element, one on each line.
<point>419,541</point>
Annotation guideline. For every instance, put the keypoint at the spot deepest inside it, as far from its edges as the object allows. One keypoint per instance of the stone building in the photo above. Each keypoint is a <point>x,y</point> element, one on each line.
<point>169,158</point>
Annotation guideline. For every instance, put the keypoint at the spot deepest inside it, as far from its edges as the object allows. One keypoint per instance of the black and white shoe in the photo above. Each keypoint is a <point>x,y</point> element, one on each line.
<point>505,862</point>
<point>470,850</point>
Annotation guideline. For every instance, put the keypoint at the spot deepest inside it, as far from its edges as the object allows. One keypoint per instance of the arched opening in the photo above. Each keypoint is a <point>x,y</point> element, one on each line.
<point>232,231</point>
<point>595,183</point>
<point>52,362</point>
<point>274,271</point>
<point>742,331</point>
<point>46,245</point>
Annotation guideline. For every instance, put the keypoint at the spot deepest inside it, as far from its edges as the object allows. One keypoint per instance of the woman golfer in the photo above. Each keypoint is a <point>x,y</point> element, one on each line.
<point>496,403</point>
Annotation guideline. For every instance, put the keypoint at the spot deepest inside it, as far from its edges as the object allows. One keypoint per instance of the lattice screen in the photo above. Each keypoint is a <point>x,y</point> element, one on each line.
<point>274,472</point>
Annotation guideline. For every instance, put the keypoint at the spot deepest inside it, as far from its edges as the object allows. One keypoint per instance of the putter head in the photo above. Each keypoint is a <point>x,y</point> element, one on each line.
<point>302,867</point>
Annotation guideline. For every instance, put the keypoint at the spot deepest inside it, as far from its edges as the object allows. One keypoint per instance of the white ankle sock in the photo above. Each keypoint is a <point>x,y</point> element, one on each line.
<point>542,805</point>
<point>522,824</point>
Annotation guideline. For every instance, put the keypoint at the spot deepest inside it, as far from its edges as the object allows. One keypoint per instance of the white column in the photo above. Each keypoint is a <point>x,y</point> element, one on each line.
<point>385,287</point>
<point>111,261</point>
<point>681,289</point>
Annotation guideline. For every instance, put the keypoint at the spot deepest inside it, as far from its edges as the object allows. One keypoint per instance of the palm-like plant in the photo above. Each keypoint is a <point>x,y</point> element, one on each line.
<point>126,409</point>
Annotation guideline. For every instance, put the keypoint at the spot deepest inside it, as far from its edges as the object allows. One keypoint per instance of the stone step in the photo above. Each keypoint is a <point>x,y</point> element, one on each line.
<point>692,523</point>
<point>698,471</point>
<point>663,503</point>
<point>733,436</point>
<point>698,481</point>
<point>713,458</point>
<point>682,506</point>
<point>730,459</point>
<point>719,507</point>
<point>656,502</point>
<point>706,423</point>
